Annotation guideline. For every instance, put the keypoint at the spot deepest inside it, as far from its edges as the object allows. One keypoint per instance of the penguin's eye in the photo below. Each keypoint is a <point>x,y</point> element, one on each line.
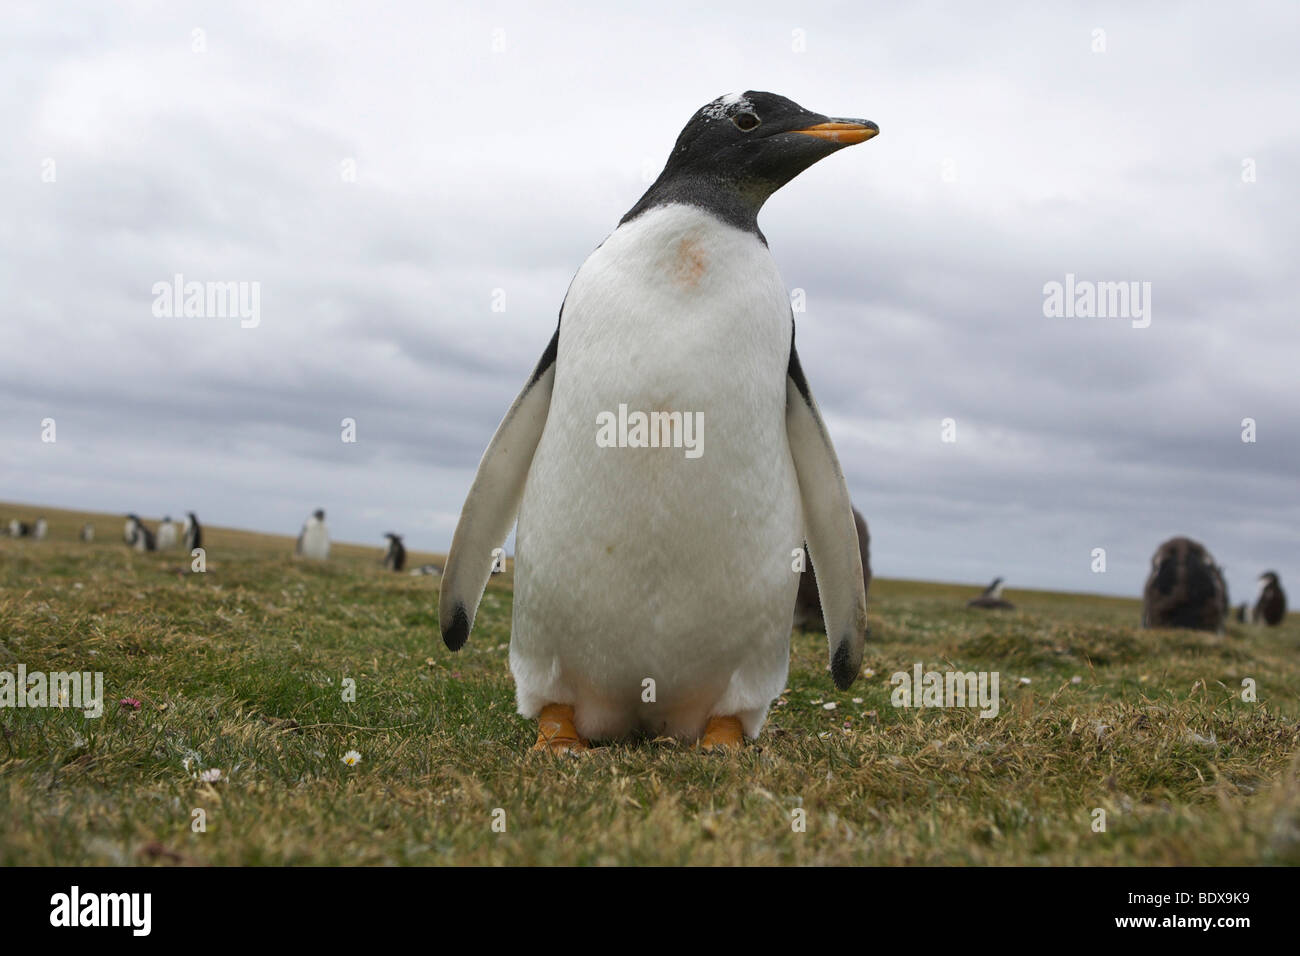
<point>745,121</point>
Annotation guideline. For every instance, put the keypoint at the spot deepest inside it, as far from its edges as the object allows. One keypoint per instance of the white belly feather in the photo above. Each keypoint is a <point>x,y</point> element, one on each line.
<point>315,540</point>
<point>644,563</point>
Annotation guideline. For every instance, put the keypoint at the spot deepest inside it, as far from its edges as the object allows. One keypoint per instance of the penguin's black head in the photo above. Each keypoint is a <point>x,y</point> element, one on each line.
<point>738,150</point>
<point>320,514</point>
<point>761,139</point>
<point>1270,577</point>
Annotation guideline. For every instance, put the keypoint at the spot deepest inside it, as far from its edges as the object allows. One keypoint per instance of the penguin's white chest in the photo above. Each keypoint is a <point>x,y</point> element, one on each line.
<point>166,536</point>
<point>653,572</point>
<point>315,540</point>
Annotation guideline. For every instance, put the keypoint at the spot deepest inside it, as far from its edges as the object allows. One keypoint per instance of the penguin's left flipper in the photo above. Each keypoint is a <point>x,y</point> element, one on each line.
<point>493,502</point>
<point>829,527</point>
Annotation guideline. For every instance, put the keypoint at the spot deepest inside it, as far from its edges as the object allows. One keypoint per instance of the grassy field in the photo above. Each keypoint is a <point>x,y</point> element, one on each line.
<point>241,669</point>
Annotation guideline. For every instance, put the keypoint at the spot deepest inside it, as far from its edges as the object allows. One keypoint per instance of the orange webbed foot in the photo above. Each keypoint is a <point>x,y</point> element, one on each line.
<point>723,733</point>
<point>555,731</point>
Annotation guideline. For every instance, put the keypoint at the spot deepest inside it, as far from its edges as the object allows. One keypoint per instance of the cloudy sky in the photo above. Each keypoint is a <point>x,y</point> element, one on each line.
<point>386,173</point>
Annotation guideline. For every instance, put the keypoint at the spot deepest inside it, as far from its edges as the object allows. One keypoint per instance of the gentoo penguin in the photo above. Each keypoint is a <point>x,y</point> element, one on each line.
<point>1185,588</point>
<point>193,533</point>
<point>40,529</point>
<point>18,529</point>
<point>314,539</point>
<point>395,559</point>
<point>166,535</point>
<point>807,605</point>
<point>87,532</point>
<point>1270,603</point>
<point>991,599</point>
<point>653,581</point>
<point>138,536</point>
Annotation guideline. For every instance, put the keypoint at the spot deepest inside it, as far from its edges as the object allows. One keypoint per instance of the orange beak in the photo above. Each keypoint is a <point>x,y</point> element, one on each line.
<point>842,133</point>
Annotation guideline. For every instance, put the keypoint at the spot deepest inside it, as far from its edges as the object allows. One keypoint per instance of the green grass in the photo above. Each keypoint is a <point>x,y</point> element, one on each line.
<point>240,669</point>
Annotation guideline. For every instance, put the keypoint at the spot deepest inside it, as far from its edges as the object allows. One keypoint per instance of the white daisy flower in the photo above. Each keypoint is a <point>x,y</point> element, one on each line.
<point>352,758</point>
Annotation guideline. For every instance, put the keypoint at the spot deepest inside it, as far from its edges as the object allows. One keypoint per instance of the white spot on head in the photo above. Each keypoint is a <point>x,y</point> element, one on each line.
<point>727,105</point>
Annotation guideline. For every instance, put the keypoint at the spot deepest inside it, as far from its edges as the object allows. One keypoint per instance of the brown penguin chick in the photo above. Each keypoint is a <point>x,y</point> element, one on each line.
<point>1270,606</point>
<point>1185,588</point>
<point>991,599</point>
<point>808,605</point>
<point>1224,602</point>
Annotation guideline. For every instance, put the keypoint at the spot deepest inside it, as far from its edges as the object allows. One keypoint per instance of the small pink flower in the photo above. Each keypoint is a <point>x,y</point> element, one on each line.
<point>129,703</point>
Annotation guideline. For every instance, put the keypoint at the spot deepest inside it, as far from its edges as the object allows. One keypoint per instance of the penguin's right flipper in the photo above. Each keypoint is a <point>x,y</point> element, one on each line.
<point>829,527</point>
<point>493,502</point>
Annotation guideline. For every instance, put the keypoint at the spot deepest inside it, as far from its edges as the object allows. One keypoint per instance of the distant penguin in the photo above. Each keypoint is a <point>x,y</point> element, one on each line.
<point>642,555</point>
<point>1185,588</point>
<point>992,599</point>
<point>138,536</point>
<point>1270,604</point>
<point>40,529</point>
<point>395,559</point>
<point>808,605</point>
<point>432,569</point>
<point>87,532</point>
<point>193,532</point>
<point>145,539</point>
<point>18,529</point>
<point>166,534</point>
<point>314,539</point>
